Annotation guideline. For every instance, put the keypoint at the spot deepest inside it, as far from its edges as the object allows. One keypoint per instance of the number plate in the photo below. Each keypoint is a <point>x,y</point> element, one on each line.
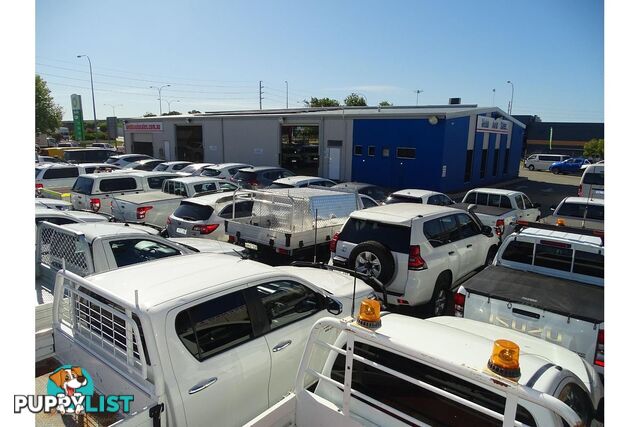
<point>181,230</point>
<point>251,246</point>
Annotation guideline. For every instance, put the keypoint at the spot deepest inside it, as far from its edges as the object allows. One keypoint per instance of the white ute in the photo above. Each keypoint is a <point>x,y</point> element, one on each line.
<point>199,340</point>
<point>381,371</point>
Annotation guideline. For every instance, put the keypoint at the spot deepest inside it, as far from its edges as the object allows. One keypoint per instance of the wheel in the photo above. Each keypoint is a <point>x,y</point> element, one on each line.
<point>374,259</point>
<point>491,254</point>
<point>555,171</point>
<point>531,168</point>
<point>438,304</point>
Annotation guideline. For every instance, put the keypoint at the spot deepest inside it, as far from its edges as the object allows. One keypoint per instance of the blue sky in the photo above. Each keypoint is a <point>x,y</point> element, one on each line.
<point>214,53</point>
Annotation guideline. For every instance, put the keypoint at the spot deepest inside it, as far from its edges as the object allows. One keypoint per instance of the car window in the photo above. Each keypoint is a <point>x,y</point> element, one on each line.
<point>227,186</point>
<point>494,200</point>
<point>441,231</point>
<point>83,185</point>
<point>286,302</point>
<point>470,197</point>
<point>286,174</point>
<point>593,178</point>
<point>155,182</point>
<point>179,166</point>
<point>134,251</point>
<point>519,202</point>
<point>589,264</point>
<point>467,227</point>
<point>207,186</point>
<point>162,167</point>
<point>505,202</point>
<point>243,209</point>
<point>174,187</point>
<point>211,172</point>
<point>56,220</point>
<point>215,326</point>
<point>395,198</point>
<point>59,173</point>
<point>193,211</point>
<point>118,184</point>
<point>527,202</point>
<point>423,405</point>
<point>395,237</point>
<point>367,202</point>
<point>434,200</point>
<point>553,257</point>
<point>519,252</point>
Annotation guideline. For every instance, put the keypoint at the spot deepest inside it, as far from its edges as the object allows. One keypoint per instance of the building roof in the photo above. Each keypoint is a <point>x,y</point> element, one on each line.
<point>563,131</point>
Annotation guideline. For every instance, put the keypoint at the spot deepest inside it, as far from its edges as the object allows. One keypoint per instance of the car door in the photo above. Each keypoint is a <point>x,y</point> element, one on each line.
<point>470,244</point>
<point>531,213</point>
<point>442,234</point>
<point>220,361</point>
<point>291,309</point>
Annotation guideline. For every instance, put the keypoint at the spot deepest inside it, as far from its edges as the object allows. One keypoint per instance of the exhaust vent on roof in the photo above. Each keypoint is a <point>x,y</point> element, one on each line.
<point>455,101</point>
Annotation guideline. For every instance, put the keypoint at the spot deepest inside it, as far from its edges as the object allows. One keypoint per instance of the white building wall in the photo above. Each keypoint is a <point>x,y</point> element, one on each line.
<point>252,140</point>
<point>340,130</point>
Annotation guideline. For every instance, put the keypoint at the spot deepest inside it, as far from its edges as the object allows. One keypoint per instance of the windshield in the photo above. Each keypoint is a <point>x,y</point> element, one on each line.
<point>280,185</point>
<point>193,212</point>
<point>83,185</point>
<point>161,167</point>
<point>401,199</point>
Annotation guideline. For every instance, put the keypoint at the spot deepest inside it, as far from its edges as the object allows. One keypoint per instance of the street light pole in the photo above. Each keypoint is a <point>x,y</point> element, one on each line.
<point>169,103</point>
<point>287,85</point>
<point>493,98</point>
<point>159,94</point>
<point>93,98</point>
<point>511,103</point>
<point>418,92</point>
<point>113,108</point>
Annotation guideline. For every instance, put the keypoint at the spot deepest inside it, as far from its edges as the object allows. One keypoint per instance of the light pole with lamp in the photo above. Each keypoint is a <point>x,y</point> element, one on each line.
<point>511,103</point>
<point>170,101</point>
<point>113,108</point>
<point>418,92</point>
<point>159,94</point>
<point>286,83</point>
<point>93,98</point>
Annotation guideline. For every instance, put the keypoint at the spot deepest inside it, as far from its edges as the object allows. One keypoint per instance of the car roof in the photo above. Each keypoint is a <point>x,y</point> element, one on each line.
<point>124,156</point>
<point>401,213</point>
<point>260,168</point>
<point>57,165</point>
<point>210,199</point>
<point>143,161</point>
<point>197,179</point>
<point>354,184</point>
<point>106,165</point>
<point>583,200</point>
<point>200,165</point>
<point>470,343</point>
<point>44,201</point>
<point>174,277</point>
<point>227,165</point>
<point>501,191</point>
<point>93,230</point>
<point>563,236</point>
<point>175,162</point>
<point>79,215</point>
<point>297,179</point>
<point>414,192</point>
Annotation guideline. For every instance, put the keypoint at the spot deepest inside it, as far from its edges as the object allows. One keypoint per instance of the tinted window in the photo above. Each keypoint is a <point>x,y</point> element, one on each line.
<point>280,185</point>
<point>227,186</point>
<point>577,210</point>
<point>367,202</point>
<point>118,184</point>
<point>87,156</point>
<point>180,166</point>
<point>470,197</point>
<point>286,302</point>
<point>173,187</point>
<point>83,185</point>
<point>56,220</point>
<point>375,193</point>
<point>371,150</point>
<point>401,199</point>
<point>243,209</point>
<point>494,200</point>
<point>162,167</point>
<point>519,252</point>
<point>148,166</point>
<point>245,176</point>
<point>134,251</point>
<point>207,186</point>
<point>441,231</point>
<point>395,237</point>
<point>193,212</point>
<point>589,264</point>
<point>553,257</point>
<point>467,226</point>
<point>593,178</point>
<point>111,160</point>
<point>527,202</point>
<point>519,202</point>
<point>406,153</point>
<point>357,150</point>
<point>214,326</point>
<point>505,202</point>
<point>482,199</point>
<point>155,182</point>
<point>59,173</point>
<point>211,172</point>
<point>419,403</point>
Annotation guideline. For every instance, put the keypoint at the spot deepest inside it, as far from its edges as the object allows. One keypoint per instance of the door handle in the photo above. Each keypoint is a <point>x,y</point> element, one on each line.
<point>469,245</point>
<point>281,346</point>
<point>202,385</point>
<point>452,252</point>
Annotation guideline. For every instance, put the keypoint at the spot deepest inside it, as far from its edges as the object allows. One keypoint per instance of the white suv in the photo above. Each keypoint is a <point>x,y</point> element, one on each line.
<point>418,252</point>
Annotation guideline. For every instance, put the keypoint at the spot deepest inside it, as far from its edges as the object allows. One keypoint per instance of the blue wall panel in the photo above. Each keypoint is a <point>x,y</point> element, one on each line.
<point>455,153</point>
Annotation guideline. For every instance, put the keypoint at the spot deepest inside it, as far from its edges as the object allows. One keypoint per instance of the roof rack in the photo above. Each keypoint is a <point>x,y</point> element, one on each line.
<point>574,230</point>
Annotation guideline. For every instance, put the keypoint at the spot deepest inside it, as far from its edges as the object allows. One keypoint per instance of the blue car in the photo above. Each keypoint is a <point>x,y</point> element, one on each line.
<point>572,165</point>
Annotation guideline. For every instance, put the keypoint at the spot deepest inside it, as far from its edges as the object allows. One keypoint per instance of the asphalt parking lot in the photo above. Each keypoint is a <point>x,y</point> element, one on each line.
<point>546,188</point>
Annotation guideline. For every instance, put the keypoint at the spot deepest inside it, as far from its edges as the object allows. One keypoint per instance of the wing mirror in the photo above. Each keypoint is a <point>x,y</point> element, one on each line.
<point>552,208</point>
<point>334,307</point>
<point>487,231</point>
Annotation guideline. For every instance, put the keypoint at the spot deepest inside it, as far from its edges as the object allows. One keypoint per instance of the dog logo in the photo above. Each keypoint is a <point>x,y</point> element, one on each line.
<point>72,383</point>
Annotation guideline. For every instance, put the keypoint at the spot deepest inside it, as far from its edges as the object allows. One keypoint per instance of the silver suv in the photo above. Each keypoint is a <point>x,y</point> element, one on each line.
<point>418,252</point>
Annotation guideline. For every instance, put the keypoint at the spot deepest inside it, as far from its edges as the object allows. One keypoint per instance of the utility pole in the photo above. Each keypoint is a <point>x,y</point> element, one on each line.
<point>260,87</point>
<point>287,85</point>
<point>493,99</point>
<point>511,102</point>
<point>418,92</point>
<point>93,98</point>
<point>159,94</point>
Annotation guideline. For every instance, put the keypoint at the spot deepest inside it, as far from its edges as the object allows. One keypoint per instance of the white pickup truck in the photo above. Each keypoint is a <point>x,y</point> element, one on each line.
<point>197,340</point>
<point>89,248</point>
<point>382,372</point>
<point>154,207</point>
<point>548,282</point>
<point>500,208</point>
<point>295,223</point>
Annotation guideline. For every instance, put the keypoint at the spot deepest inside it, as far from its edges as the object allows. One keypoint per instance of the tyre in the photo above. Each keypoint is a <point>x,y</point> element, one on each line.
<point>373,258</point>
<point>531,168</point>
<point>555,171</point>
<point>491,254</point>
<point>438,304</point>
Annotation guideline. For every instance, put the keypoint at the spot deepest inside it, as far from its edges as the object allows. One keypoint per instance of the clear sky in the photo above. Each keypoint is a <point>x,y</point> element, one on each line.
<point>213,53</point>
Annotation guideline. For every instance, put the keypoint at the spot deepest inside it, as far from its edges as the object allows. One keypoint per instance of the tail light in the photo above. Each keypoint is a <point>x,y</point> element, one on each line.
<point>141,212</point>
<point>94,204</point>
<point>232,239</point>
<point>206,229</point>
<point>500,227</point>
<point>253,182</point>
<point>415,260</point>
<point>334,242</point>
<point>169,221</point>
<point>580,191</point>
<point>599,358</point>
<point>458,304</point>
<point>39,186</point>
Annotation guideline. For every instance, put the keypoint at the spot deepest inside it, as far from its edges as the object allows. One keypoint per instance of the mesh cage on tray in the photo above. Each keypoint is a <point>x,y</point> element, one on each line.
<point>56,246</point>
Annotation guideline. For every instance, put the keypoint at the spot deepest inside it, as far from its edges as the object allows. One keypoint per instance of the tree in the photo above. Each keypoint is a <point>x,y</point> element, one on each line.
<point>149,115</point>
<point>355,100</point>
<point>48,113</point>
<point>385,104</point>
<point>594,148</point>
<point>194,112</point>
<point>321,102</point>
<point>172,113</point>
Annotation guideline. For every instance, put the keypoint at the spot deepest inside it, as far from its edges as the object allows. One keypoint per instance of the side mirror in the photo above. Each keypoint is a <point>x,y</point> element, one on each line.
<point>552,208</point>
<point>487,231</point>
<point>334,307</point>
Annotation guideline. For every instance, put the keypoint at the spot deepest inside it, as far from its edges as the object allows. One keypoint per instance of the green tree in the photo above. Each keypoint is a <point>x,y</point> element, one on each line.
<point>321,102</point>
<point>194,112</point>
<point>48,113</point>
<point>355,100</point>
<point>385,104</point>
<point>149,115</point>
<point>172,113</point>
<point>594,148</point>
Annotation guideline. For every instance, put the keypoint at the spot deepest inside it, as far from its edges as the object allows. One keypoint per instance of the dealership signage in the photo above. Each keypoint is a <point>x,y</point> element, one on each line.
<point>78,123</point>
<point>491,125</point>
<point>143,127</point>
